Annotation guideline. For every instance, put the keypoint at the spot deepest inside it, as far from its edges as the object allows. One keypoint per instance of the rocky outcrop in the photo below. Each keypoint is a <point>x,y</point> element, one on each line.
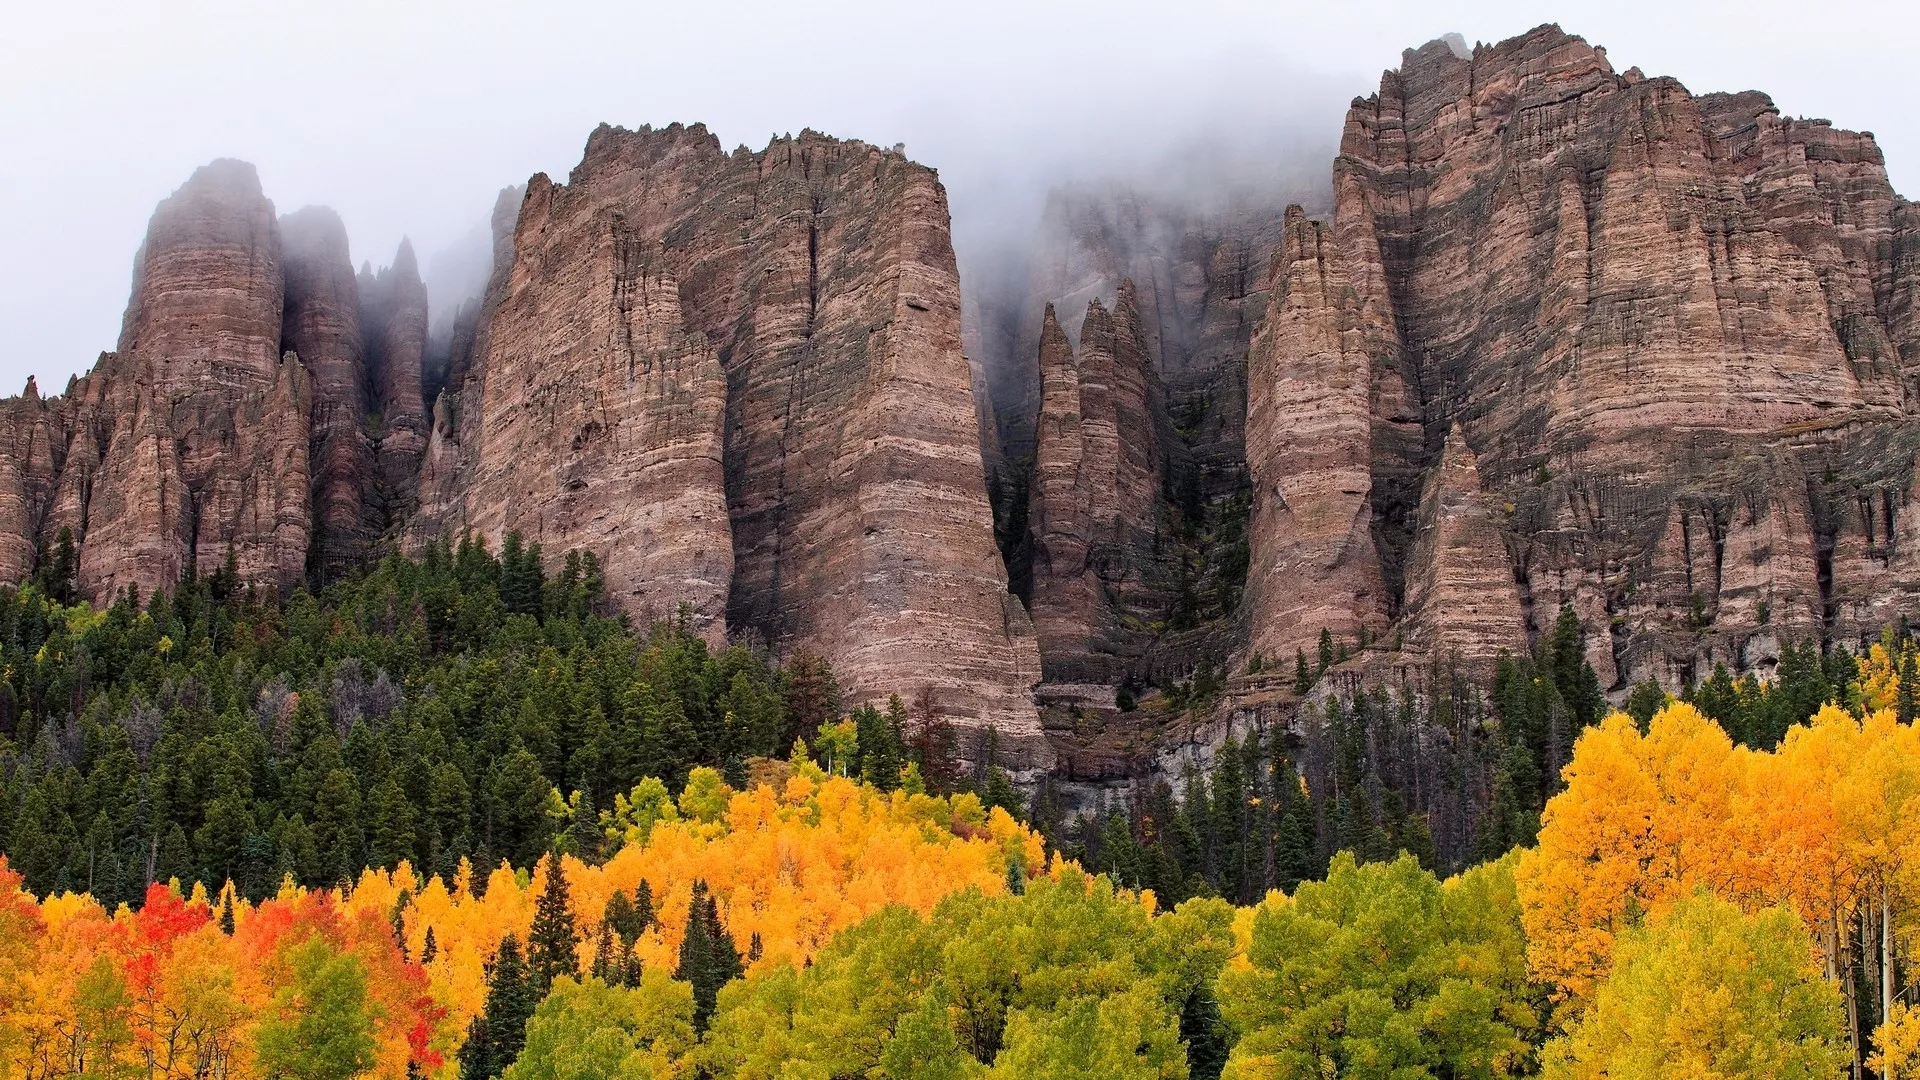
<point>1104,563</point>
<point>817,279</point>
<point>232,427</point>
<point>1676,330</point>
<point>394,307</point>
<point>1198,272</point>
<point>198,423</point>
<point>1310,371</point>
<point>1461,596</point>
<point>321,324</point>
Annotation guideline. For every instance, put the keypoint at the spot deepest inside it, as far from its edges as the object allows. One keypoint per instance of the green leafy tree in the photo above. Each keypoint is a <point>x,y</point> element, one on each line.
<point>595,1031</point>
<point>1072,979</point>
<point>1709,991</point>
<point>1380,970</point>
<point>320,1026</point>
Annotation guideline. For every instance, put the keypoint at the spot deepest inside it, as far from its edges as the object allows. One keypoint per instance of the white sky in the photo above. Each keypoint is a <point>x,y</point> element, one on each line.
<point>408,117</point>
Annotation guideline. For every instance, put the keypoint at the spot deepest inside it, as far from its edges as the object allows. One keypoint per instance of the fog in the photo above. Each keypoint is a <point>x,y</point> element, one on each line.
<point>409,118</point>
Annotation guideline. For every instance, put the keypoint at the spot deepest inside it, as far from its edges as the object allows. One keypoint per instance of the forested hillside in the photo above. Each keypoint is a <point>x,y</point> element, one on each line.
<point>425,712</point>
<point>452,818</point>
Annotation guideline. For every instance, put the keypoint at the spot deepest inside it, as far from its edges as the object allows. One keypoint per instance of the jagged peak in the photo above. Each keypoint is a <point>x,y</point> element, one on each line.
<point>405,264</point>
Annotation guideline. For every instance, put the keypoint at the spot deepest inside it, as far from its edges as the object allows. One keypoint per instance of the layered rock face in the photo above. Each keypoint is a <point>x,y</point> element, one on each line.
<point>394,307</point>
<point>697,357</point>
<point>228,428</point>
<point>1674,334</point>
<point>1310,448</point>
<point>188,446</point>
<point>1103,562</point>
<point>321,325</point>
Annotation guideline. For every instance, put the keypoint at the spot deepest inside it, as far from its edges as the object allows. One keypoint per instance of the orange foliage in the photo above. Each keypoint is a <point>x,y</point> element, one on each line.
<point>1828,823</point>
<point>164,992</point>
<point>794,867</point>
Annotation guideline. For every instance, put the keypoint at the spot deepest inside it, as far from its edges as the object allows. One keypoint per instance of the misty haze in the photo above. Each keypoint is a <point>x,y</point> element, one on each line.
<point>1086,541</point>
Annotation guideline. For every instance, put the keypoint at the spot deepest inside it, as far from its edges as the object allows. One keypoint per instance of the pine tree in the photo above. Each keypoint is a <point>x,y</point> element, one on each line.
<point>709,959</point>
<point>879,742</point>
<point>644,916</point>
<point>522,583</point>
<point>999,791</point>
<point>1302,675</point>
<point>607,966</point>
<point>496,1035</point>
<point>552,940</point>
<point>429,948</point>
<point>1326,649</point>
<point>584,840</point>
<point>1906,698</point>
<point>1205,1033</point>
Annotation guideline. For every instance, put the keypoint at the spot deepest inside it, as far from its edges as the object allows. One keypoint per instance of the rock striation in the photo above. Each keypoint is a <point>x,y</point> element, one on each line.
<point>187,447</point>
<point>1311,367</point>
<point>394,306</point>
<point>321,325</point>
<point>1104,564</point>
<point>229,429</point>
<point>1673,335</point>
<point>739,378</point>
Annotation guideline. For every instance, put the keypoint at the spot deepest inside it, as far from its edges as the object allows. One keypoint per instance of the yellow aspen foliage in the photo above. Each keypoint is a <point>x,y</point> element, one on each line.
<point>1704,991</point>
<point>1827,824</point>
<point>1898,1056</point>
<point>1644,820</point>
<point>792,867</point>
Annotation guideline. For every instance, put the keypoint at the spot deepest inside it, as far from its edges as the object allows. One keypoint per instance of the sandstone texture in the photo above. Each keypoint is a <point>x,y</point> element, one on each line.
<point>321,324</point>
<point>1673,335</point>
<point>738,378</point>
<point>228,429</point>
<point>1104,561</point>
<point>1310,373</point>
<point>187,447</point>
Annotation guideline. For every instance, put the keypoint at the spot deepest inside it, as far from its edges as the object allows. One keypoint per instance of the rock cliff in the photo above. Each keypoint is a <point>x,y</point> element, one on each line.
<point>1105,562</point>
<point>1193,267</point>
<point>738,377</point>
<point>321,325</point>
<point>188,446</point>
<point>1673,336</point>
<point>394,306</point>
<point>230,428</point>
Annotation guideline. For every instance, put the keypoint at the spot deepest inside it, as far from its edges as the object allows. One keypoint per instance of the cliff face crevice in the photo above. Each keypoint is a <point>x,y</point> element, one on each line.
<point>321,324</point>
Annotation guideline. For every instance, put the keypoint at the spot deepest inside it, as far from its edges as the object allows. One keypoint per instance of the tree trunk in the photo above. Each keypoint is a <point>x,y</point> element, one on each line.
<point>1851,985</point>
<point>1886,954</point>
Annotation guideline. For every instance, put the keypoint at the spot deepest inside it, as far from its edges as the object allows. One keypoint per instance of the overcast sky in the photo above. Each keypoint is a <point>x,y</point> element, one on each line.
<point>408,117</point>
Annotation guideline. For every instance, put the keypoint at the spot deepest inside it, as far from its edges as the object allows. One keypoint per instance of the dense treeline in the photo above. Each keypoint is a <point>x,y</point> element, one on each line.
<point>1691,906</point>
<point>1454,775</point>
<point>426,711</point>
